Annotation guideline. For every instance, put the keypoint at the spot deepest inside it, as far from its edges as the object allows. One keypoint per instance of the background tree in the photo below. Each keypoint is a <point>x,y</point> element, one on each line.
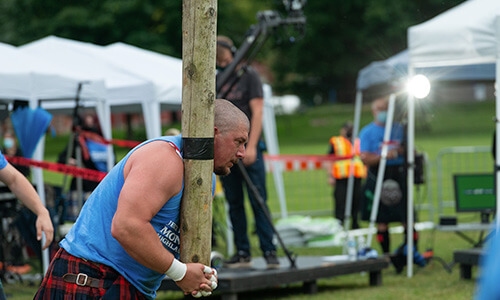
<point>341,36</point>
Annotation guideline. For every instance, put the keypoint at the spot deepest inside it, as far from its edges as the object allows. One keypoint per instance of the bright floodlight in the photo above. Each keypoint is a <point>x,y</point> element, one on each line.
<point>419,86</point>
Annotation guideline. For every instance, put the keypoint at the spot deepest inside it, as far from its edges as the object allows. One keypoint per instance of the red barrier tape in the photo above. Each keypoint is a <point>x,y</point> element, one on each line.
<point>305,157</point>
<point>87,174</point>
<point>294,162</point>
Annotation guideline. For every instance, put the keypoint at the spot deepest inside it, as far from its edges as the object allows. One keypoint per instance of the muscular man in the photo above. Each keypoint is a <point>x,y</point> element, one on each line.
<point>126,237</point>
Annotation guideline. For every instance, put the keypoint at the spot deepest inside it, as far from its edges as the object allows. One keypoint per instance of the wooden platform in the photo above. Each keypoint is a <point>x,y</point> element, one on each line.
<point>308,270</point>
<point>467,259</point>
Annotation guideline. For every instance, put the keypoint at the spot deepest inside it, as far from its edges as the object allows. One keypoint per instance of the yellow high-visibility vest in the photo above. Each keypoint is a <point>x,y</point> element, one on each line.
<point>343,147</point>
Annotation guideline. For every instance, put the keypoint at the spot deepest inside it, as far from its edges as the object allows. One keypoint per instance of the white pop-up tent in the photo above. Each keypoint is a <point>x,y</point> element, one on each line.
<point>395,70</point>
<point>122,88</point>
<point>163,71</point>
<point>466,34</point>
<point>393,73</point>
<point>133,76</point>
<point>23,77</point>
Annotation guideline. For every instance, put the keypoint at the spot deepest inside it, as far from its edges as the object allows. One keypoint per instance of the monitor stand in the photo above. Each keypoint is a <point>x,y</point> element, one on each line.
<point>485,217</point>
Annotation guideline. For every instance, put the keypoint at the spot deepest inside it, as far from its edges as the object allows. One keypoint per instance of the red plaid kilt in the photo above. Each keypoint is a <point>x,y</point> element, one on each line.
<point>112,285</point>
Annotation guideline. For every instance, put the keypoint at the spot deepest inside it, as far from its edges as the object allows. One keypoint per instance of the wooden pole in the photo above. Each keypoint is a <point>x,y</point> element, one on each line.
<point>199,25</point>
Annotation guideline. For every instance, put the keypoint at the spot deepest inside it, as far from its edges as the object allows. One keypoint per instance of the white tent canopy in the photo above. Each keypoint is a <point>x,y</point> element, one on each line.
<point>35,79</point>
<point>122,88</point>
<point>78,58</point>
<point>464,35</point>
<point>163,70</point>
<point>385,71</point>
<point>23,77</point>
<point>395,69</point>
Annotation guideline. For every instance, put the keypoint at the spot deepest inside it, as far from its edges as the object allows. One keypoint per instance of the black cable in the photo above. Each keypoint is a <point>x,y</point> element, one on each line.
<point>445,265</point>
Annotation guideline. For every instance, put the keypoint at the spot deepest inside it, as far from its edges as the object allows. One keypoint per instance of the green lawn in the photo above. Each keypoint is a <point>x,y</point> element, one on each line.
<point>439,125</point>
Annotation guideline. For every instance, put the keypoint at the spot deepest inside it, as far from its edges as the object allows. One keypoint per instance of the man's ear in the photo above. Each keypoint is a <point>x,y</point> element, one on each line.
<point>216,131</point>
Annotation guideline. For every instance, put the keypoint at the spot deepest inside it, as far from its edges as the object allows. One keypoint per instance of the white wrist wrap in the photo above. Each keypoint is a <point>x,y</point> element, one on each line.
<point>177,270</point>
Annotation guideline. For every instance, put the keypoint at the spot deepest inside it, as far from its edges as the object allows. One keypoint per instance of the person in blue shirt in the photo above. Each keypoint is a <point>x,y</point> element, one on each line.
<point>24,191</point>
<point>127,236</point>
<point>393,202</point>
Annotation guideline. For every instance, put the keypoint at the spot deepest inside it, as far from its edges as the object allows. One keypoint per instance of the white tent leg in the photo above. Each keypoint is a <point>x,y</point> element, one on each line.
<point>497,140</point>
<point>38,179</point>
<point>155,121</point>
<point>350,181</point>
<point>104,115</point>
<point>411,169</point>
<point>381,168</point>
<point>146,112</point>
<point>271,137</point>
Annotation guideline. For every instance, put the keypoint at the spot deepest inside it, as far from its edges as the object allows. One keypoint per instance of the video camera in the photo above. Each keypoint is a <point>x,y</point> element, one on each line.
<point>257,35</point>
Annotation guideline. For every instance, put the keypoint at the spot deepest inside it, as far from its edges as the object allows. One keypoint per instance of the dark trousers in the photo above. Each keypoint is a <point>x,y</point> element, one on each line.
<point>340,196</point>
<point>233,189</point>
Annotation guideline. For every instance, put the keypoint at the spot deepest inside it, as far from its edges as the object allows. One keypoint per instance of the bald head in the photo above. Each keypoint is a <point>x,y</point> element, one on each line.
<point>227,116</point>
<point>230,136</point>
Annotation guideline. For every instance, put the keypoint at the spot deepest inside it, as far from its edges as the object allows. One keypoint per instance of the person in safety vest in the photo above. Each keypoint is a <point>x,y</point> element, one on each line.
<point>341,146</point>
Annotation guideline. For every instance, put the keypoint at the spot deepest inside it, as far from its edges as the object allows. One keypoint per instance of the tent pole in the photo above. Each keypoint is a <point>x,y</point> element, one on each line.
<point>410,177</point>
<point>40,187</point>
<point>271,138</point>
<point>104,115</point>
<point>350,180</point>
<point>497,143</point>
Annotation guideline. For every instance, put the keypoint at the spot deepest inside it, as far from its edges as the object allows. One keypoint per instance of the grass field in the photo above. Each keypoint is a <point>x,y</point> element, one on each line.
<point>439,125</point>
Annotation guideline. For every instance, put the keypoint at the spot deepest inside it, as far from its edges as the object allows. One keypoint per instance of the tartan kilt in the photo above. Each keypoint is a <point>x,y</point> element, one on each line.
<point>112,285</point>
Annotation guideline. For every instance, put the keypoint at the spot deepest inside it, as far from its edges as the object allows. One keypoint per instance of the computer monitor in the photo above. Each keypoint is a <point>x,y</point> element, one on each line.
<point>475,192</point>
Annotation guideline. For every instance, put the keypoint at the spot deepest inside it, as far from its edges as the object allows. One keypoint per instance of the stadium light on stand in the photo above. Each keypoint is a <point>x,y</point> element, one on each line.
<point>418,86</point>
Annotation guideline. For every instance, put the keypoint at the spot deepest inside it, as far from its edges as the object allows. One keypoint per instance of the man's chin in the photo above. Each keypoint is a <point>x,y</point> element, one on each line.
<point>222,171</point>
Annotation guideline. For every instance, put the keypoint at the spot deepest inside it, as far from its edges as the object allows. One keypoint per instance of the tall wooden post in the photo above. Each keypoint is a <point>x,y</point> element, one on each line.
<point>199,25</point>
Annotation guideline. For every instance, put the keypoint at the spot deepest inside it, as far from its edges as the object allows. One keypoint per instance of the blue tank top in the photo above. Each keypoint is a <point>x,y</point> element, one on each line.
<point>90,236</point>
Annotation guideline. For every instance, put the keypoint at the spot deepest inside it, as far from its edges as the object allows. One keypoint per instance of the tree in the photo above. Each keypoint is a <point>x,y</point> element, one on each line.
<point>344,36</point>
<point>341,36</point>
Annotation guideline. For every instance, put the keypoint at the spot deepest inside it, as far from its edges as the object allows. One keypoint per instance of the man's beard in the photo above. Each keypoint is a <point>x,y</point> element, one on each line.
<point>222,171</point>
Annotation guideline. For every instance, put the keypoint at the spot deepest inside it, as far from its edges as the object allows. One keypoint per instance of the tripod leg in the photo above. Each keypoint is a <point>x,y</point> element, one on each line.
<point>257,196</point>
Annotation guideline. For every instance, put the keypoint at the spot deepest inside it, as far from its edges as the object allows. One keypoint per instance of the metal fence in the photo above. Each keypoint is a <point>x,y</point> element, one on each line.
<point>457,160</point>
<point>307,192</point>
<point>305,186</point>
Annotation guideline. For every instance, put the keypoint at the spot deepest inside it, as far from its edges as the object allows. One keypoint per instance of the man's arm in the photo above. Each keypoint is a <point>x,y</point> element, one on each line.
<point>24,191</point>
<point>257,107</point>
<point>153,174</point>
<point>371,159</point>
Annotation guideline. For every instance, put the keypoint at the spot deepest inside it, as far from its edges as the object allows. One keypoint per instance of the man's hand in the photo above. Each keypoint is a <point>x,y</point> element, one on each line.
<point>200,280</point>
<point>44,224</point>
<point>250,156</point>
